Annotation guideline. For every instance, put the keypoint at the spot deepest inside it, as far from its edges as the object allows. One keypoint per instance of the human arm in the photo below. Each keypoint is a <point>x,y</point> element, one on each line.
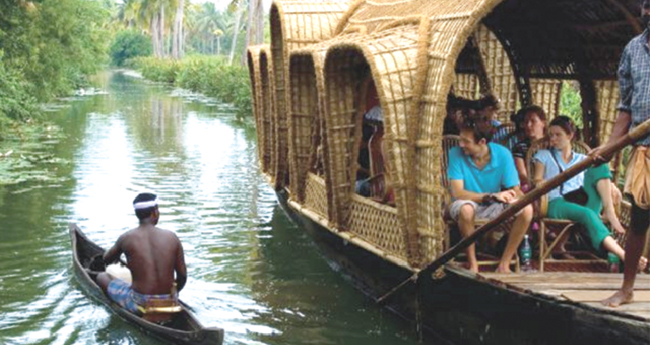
<point>113,254</point>
<point>520,165</point>
<point>180,268</point>
<point>459,192</point>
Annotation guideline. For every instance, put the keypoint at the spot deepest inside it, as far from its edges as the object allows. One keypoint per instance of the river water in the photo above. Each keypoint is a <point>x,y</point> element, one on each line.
<point>251,271</point>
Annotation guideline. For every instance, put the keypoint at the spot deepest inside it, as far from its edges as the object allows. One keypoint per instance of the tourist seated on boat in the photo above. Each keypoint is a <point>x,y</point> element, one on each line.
<point>154,256</point>
<point>582,198</point>
<point>362,185</point>
<point>511,138</point>
<point>483,182</point>
<point>487,105</point>
<point>534,127</point>
<point>377,185</point>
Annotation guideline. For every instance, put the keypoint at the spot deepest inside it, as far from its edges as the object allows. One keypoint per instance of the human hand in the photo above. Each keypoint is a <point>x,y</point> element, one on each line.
<point>617,196</point>
<point>597,154</point>
<point>507,196</point>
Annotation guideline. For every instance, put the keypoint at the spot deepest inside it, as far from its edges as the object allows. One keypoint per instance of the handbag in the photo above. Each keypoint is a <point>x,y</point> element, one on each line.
<point>578,196</point>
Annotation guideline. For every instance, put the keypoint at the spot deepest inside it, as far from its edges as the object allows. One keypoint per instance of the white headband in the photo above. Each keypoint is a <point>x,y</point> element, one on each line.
<point>145,204</point>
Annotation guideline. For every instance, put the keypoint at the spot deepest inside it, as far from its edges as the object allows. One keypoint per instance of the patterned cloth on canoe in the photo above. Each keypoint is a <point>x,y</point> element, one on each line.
<point>137,303</point>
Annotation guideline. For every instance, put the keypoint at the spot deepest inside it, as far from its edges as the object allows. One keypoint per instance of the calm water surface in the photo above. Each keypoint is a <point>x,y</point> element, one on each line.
<point>251,271</point>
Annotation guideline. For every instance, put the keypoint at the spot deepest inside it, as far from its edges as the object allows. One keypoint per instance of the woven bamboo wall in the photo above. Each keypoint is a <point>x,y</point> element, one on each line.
<point>294,24</point>
<point>314,55</point>
<point>267,111</point>
<point>316,194</point>
<point>466,85</point>
<point>546,94</point>
<point>448,34</point>
<point>413,70</point>
<point>304,129</point>
<point>377,224</point>
<point>607,98</point>
<point>252,59</point>
<point>392,55</point>
<point>498,71</point>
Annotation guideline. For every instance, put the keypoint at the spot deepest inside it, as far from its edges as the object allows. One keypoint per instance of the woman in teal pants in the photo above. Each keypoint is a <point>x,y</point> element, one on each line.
<point>595,182</point>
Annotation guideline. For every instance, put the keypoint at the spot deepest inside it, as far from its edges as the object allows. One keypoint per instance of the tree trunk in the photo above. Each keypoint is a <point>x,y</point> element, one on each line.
<point>161,31</point>
<point>177,32</point>
<point>154,35</point>
<point>255,27</point>
<point>235,35</point>
<point>259,22</point>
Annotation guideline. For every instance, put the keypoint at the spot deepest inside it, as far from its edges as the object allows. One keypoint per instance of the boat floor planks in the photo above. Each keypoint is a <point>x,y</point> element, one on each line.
<point>587,288</point>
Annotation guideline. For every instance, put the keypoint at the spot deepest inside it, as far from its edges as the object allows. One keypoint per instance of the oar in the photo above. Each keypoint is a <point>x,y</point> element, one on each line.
<point>606,153</point>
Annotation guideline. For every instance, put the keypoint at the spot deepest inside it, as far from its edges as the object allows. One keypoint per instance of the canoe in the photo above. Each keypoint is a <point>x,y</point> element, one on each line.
<point>184,327</point>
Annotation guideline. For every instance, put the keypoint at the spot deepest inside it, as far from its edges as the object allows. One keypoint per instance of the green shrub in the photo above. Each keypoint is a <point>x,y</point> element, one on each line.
<point>570,101</point>
<point>15,100</point>
<point>128,44</point>
<point>210,75</point>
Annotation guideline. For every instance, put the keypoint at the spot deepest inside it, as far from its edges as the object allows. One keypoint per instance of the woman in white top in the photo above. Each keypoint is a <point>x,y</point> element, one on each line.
<point>595,183</point>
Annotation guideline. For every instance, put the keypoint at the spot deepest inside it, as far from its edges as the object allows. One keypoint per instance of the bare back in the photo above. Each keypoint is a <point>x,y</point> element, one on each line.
<point>153,256</point>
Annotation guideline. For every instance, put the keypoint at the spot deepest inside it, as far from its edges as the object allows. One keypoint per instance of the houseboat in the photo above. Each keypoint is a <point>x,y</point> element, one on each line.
<point>355,92</point>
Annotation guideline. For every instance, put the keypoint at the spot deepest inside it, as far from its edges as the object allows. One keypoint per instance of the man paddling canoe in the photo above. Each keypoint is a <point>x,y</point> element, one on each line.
<point>153,256</point>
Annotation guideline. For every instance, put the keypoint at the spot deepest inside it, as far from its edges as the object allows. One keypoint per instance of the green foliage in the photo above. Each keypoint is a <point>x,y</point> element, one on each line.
<point>156,69</point>
<point>47,48</point>
<point>15,101</point>
<point>210,75</point>
<point>570,101</point>
<point>128,44</point>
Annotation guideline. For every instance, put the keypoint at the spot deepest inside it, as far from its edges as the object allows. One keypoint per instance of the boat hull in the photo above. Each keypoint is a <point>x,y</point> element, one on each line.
<point>462,307</point>
<point>184,328</point>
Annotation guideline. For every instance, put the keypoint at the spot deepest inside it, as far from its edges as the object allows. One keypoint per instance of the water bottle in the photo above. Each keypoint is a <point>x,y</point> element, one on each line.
<point>526,254</point>
<point>614,263</point>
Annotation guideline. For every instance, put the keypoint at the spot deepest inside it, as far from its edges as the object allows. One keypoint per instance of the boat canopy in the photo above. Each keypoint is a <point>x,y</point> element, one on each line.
<point>416,52</point>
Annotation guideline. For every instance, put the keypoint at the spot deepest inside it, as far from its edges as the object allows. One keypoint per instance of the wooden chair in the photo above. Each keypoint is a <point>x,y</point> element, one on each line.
<point>561,227</point>
<point>449,141</point>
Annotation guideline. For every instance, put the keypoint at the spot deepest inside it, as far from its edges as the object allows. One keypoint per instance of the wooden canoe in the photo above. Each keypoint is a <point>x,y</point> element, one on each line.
<point>184,328</point>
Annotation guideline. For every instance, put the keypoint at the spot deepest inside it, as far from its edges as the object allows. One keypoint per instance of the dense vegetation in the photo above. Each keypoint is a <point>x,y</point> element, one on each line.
<point>570,102</point>
<point>215,41</point>
<point>129,44</point>
<point>210,75</point>
<point>47,48</point>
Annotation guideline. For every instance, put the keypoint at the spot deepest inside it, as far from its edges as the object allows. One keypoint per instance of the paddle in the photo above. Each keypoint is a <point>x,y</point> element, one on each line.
<point>606,152</point>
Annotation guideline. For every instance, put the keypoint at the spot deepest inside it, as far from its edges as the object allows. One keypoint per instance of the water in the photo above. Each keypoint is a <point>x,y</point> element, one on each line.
<point>251,271</point>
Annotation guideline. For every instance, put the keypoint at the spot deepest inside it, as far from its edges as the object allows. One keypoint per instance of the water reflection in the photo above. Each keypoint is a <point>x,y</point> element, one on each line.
<point>251,271</point>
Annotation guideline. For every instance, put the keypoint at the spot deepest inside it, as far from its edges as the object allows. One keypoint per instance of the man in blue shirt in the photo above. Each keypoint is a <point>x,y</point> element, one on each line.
<point>483,182</point>
<point>634,84</point>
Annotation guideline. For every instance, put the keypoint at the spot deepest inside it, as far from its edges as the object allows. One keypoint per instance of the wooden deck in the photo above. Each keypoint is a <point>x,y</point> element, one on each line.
<point>588,288</point>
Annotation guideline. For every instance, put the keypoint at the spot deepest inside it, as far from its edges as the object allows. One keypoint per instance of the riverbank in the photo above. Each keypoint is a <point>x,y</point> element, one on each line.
<point>209,75</point>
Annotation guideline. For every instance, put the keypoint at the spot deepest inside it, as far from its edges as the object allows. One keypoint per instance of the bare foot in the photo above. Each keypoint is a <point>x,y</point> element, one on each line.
<point>643,263</point>
<point>619,298</point>
<point>503,269</point>
<point>616,225</point>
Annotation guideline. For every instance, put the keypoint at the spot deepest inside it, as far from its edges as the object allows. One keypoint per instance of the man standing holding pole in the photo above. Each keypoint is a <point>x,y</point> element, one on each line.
<point>634,80</point>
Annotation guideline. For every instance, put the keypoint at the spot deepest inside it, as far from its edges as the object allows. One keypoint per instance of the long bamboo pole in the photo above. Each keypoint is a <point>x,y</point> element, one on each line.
<point>606,152</point>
